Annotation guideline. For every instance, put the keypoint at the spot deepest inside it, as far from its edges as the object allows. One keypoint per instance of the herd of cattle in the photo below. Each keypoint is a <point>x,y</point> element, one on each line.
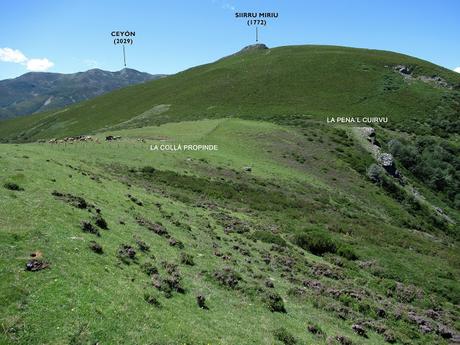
<point>82,138</point>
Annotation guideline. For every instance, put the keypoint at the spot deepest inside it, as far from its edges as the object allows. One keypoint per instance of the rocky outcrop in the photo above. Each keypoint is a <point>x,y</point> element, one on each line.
<point>371,136</point>
<point>250,48</point>
<point>403,69</point>
<point>386,160</point>
<point>407,73</point>
<point>258,46</point>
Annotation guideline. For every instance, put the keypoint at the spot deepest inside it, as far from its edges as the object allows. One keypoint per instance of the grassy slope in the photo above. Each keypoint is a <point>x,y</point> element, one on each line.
<point>316,81</point>
<point>85,298</point>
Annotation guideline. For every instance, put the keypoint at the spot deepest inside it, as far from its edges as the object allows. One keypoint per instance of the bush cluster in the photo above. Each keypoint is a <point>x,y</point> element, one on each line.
<point>319,242</point>
<point>268,237</point>
<point>432,161</point>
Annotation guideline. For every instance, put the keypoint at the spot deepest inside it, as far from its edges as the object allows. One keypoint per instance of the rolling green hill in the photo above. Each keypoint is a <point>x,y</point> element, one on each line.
<point>285,84</point>
<point>301,249</point>
<point>294,231</point>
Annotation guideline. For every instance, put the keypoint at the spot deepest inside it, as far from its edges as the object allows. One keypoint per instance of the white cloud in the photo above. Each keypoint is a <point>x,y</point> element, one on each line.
<point>39,65</point>
<point>225,5</point>
<point>457,69</point>
<point>16,56</point>
<point>12,55</point>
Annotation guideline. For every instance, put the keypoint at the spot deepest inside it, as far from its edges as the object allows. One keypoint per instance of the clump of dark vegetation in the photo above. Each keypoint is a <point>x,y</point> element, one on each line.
<point>175,243</point>
<point>170,283</point>
<point>13,186</point>
<point>231,224</point>
<point>404,293</point>
<point>149,268</point>
<point>360,330</point>
<point>434,162</point>
<point>126,253</point>
<point>152,300</point>
<point>347,252</point>
<point>143,247</point>
<point>36,265</point>
<point>227,277</point>
<point>375,173</point>
<point>96,247</point>
<point>148,170</point>
<point>186,259</point>
<point>201,301</point>
<point>283,335</point>
<point>389,337</point>
<point>101,222</point>
<point>316,330</point>
<point>135,200</point>
<point>415,206</point>
<point>268,237</point>
<point>255,197</point>
<point>157,228</point>
<point>326,271</point>
<point>319,242</point>
<point>86,226</point>
<point>274,302</point>
<point>73,200</point>
<point>315,241</point>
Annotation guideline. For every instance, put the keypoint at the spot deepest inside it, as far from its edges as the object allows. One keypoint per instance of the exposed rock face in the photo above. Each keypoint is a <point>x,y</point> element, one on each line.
<point>403,69</point>
<point>407,73</point>
<point>259,46</point>
<point>252,47</point>
<point>369,132</point>
<point>387,162</point>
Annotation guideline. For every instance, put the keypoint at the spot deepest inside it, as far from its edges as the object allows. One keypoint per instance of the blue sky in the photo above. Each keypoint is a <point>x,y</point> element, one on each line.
<point>172,35</point>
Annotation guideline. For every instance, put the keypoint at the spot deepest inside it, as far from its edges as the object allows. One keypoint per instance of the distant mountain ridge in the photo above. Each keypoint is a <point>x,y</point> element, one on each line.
<point>41,91</point>
<point>287,85</point>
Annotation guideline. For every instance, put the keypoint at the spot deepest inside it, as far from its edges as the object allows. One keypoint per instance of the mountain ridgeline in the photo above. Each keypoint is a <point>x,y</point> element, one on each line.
<point>285,84</point>
<point>41,91</point>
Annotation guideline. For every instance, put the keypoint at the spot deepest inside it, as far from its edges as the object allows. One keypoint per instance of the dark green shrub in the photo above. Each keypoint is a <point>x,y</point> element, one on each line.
<point>268,237</point>
<point>89,228</point>
<point>275,302</point>
<point>148,170</point>
<point>347,252</point>
<point>375,173</point>
<point>126,253</point>
<point>315,241</point>
<point>12,186</point>
<point>149,268</point>
<point>187,259</point>
<point>150,299</point>
<point>283,335</point>
<point>433,161</point>
<point>316,330</point>
<point>96,247</point>
<point>101,222</point>
<point>143,247</point>
<point>227,277</point>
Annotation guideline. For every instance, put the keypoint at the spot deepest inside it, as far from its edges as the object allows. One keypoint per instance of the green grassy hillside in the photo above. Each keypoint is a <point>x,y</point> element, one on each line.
<point>285,84</point>
<point>302,249</point>
<point>293,232</point>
